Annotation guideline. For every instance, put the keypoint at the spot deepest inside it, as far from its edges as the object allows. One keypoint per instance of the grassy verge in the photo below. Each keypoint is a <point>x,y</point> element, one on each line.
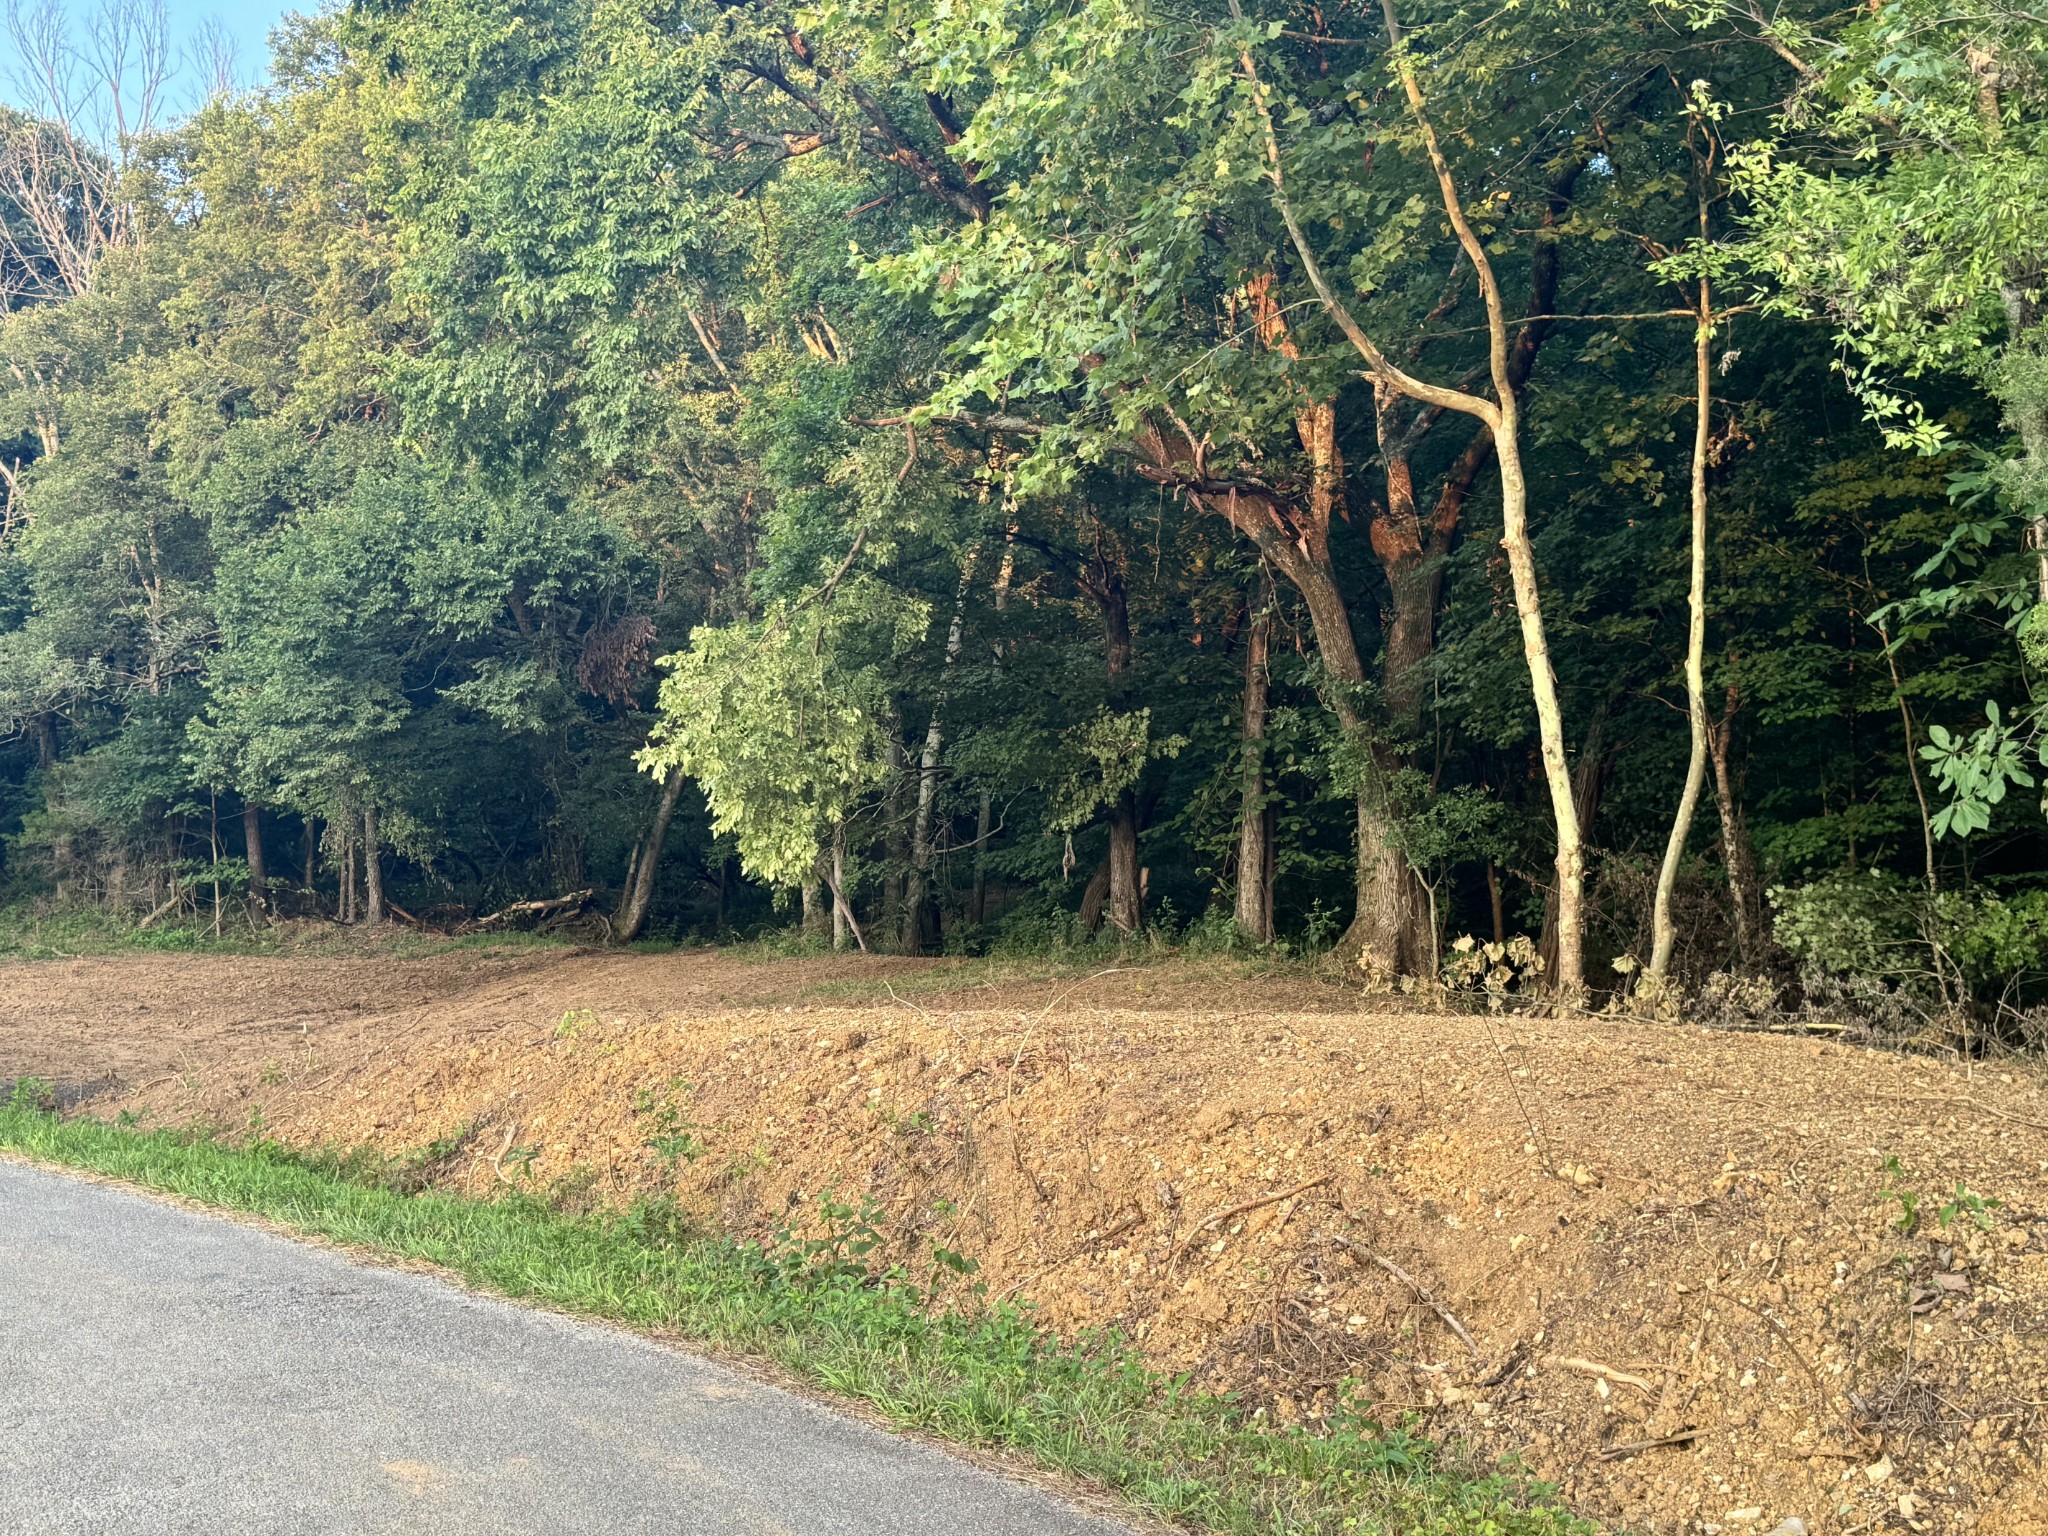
<point>937,1360</point>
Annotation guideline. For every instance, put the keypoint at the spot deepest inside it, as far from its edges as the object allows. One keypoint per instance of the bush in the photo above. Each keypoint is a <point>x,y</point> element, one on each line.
<point>1897,958</point>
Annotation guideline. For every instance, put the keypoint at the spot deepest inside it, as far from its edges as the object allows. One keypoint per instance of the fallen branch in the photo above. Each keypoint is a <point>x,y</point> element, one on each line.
<point>528,909</point>
<point>1450,1318</point>
<point>177,898</point>
<point>1616,1452</point>
<point>1238,1210</point>
<point>1595,1368</point>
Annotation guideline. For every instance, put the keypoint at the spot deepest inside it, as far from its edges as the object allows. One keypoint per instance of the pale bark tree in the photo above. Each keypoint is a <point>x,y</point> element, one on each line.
<point>1501,413</point>
<point>1255,825</point>
<point>639,897</point>
<point>1663,930</point>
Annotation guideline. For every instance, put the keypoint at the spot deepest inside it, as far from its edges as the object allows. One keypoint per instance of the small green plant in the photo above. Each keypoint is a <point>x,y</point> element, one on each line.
<point>674,1139</point>
<point>574,1022</point>
<point>521,1159</point>
<point>1967,1202</point>
<point>1907,1197</point>
<point>33,1095</point>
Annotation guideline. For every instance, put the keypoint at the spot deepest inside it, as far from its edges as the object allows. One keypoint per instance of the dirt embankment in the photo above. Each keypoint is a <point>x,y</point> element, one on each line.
<point>1662,1266</point>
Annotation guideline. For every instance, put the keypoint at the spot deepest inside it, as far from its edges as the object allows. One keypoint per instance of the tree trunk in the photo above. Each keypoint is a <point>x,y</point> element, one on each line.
<point>1501,415</point>
<point>1126,895</point>
<point>1500,919</point>
<point>1738,857</point>
<point>309,848</point>
<point>252,842</point>
<point>1663,931</point>
<point>984,829</point>
<point>373,866</point>
<point>1255,817</point>
<point>895,847</point>
<point>632,913</point>
<point>1588,782</point>
<point>46,741</point>
<point>921,921</point>
<point>842,910</point>
<point>347,901</point>
<point>1095,897</point>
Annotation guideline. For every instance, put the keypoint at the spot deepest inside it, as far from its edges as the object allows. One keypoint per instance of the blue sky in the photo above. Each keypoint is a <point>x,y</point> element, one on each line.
<point>246,25</point>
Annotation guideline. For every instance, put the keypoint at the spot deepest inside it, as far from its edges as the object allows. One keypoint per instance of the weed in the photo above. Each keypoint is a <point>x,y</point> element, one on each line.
<point>33,1095</point>
<point>1966,1201</point>
<point>1907,1197</point>
<point>574,1022</point>
<point>674,1139</point>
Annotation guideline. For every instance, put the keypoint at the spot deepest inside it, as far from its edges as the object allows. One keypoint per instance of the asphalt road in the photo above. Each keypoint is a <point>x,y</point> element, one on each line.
<point>164,1372</point>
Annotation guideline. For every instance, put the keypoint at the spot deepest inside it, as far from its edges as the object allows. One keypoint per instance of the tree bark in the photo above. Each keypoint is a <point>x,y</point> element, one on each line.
<point>1126,896</point>
<point>309,848</point>
<point>252,843</point>
<point>373,866</point>
<point>1255,825</point>
<point>1738,856</point>
<point>632,913</point>
<point>843,921</point>
<point>345,903</point>
<point>984,828</point>
<point>1663,931</point>
<point>921,920</point>
<point>1502,417</point>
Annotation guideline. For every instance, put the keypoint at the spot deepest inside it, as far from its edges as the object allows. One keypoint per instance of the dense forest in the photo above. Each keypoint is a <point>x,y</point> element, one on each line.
<point>1570,477</point>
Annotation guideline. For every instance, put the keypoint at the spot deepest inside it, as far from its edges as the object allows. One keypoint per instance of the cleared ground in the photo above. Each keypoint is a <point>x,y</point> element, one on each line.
<point>1672,1257</point>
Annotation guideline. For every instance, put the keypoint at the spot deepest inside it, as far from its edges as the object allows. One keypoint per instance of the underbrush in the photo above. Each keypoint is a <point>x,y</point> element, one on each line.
<point>35,931</point>
<point>928,1351</point>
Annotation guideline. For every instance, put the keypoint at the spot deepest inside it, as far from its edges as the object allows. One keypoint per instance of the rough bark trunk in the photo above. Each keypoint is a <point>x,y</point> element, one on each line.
<point>1588,782</point>
<point>373,866</point>
<point>1663,931</point>
<point>1502,417</point>
<point>46,741</point>
<point>1255,854</point>
<point>252,845</point>
<point>1095,897</point>
<point>1738,857</point>
<point>984,828</point>
<point>309,849</point>
<point>345,904</point>
<point>843,921</point>
<point>639,899</point>
<point>895,847</point>
<point>1126,896</point>
<point>921,919</point>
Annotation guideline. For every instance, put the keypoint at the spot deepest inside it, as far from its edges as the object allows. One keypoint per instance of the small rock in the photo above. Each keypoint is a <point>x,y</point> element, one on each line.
<point>1791,1525</point>
<point>1879,1470</point>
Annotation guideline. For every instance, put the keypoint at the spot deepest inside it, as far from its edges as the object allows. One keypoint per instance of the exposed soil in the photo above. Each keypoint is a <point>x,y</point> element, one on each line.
<point>1686,1296</point>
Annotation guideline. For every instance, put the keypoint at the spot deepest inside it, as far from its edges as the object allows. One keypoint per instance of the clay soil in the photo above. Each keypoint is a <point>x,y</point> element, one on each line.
<point>1659,1265</point>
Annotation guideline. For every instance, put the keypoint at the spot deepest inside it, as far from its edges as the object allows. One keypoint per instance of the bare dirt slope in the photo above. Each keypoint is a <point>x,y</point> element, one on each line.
<point>1659,1264</point>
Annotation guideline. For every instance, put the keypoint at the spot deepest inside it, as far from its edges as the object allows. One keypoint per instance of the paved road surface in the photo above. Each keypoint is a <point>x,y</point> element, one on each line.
<point>170,1374</point>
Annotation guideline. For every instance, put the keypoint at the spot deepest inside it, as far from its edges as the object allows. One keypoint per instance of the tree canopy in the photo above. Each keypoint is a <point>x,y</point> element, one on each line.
<point>965,475</point>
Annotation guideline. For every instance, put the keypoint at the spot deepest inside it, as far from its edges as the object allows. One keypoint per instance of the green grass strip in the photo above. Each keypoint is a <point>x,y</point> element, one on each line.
<point>948,1364</point>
